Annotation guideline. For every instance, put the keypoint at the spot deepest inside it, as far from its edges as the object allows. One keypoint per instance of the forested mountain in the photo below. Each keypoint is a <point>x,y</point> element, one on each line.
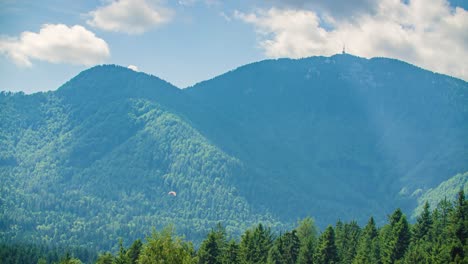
<point>337,136</point>
<point>273,141</point>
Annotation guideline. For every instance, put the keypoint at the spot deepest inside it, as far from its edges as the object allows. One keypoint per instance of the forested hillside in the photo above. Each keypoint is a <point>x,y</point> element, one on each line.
<point>447,190</point>
<point>437,236</point>
<point>75,161</point>
<point>336,137</point>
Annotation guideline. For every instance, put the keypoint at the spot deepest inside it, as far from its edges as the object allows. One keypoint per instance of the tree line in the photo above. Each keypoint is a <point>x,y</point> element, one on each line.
<point>437,236</point>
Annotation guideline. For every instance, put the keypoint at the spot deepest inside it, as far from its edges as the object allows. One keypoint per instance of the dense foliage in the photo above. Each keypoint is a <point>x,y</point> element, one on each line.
<point>446,190</point>
<point>438,236</point>
<point>270,142</point>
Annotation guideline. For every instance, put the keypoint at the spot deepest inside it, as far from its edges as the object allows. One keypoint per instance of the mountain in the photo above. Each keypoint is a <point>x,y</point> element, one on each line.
<point>95,160</point>
<point>272,141</point>
<point>337,136</point>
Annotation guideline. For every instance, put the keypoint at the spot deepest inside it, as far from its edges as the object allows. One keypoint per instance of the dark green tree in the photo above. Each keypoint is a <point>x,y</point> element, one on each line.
<point>209,252</point>
<point>285,249</point>
<point>326,251</point>
<point>134,251</point>
<point>105,258</point>
<point>255,245</point>
<point>275,256</point>
<point>122,257</point>
<point>368,250</point>
<point>422,244</point>
<point>347,238</point>
<point>213,247</point>
<point>440,234</point>
<point>68,259</point>
<point>458,228</point>
<point>395,238</point>
<point>231,254</point>
<point>422,227</point>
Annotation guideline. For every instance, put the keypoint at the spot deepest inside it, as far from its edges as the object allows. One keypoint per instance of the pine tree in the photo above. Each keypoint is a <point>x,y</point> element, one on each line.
<point>396,238</point>
<point>307,234</point>
<point>122,258</point>
<point>285,249</point>
<point>347,240</point>
<point>231,254</point>
<point>421,230</point>
<point>105,258</point>
<point>326,252</point>
<point>255,245</point>
<point>306,252</point>
<point>134,251</point>
<point>458,228</point>
<point>164,247</point>
<point>209,252</point>
<point>439,247</point>
<point>275,256</point>
<point>368,251</point>
<point>70,260</point>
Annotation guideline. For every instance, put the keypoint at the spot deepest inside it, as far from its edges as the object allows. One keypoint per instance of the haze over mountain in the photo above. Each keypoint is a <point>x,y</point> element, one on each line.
<point>272,141</point>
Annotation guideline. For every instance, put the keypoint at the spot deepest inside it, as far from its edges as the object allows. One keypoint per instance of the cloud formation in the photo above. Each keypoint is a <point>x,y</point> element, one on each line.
<point>193,2</point>
<point>130,16</point>
<point>132,67</point>
<point>431,34</point>
<point>56,43</point>
<point>337,8</point>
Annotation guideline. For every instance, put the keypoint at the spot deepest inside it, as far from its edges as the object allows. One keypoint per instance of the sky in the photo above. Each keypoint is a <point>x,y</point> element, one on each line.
<point>45,43</point>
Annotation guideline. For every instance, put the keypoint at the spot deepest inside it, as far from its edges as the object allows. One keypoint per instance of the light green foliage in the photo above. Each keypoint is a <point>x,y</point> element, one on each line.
<point>165,247</point>
<point>446,190</point>
<point>105,258</point>
<point>307,234</point>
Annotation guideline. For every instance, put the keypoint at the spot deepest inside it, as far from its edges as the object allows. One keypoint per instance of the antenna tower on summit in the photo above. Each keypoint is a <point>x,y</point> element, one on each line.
<point>344,49</point>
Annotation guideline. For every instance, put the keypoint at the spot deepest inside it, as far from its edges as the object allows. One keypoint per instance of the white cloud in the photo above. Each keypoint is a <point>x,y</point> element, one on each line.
<point>226,17</point>
<point>132,67</point>
<point>130,16</point>
<point>193,2</point>
<point>430,34</point>
<point>56,43</point>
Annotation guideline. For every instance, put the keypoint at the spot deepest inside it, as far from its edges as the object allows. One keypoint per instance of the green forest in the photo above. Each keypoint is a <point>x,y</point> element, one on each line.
<point>271,142</point>
<point>437,236</point>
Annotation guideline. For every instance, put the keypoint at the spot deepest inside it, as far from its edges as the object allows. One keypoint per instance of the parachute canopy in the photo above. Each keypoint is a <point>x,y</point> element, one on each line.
<point>172,193</point>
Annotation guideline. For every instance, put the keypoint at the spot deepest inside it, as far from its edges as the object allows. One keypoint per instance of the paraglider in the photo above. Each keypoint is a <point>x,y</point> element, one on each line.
<point>172,193</point>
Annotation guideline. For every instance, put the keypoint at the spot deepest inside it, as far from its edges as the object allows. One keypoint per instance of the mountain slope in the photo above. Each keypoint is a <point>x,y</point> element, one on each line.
<point>339,135</point>
<point>446,190</point>
<point>106,163</point>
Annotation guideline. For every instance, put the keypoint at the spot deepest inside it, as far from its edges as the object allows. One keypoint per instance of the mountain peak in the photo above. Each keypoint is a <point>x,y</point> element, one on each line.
<point>114,81</point>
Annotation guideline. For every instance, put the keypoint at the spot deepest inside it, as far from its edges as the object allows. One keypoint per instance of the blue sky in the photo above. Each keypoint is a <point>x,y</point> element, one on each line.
<point>45,43</point>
